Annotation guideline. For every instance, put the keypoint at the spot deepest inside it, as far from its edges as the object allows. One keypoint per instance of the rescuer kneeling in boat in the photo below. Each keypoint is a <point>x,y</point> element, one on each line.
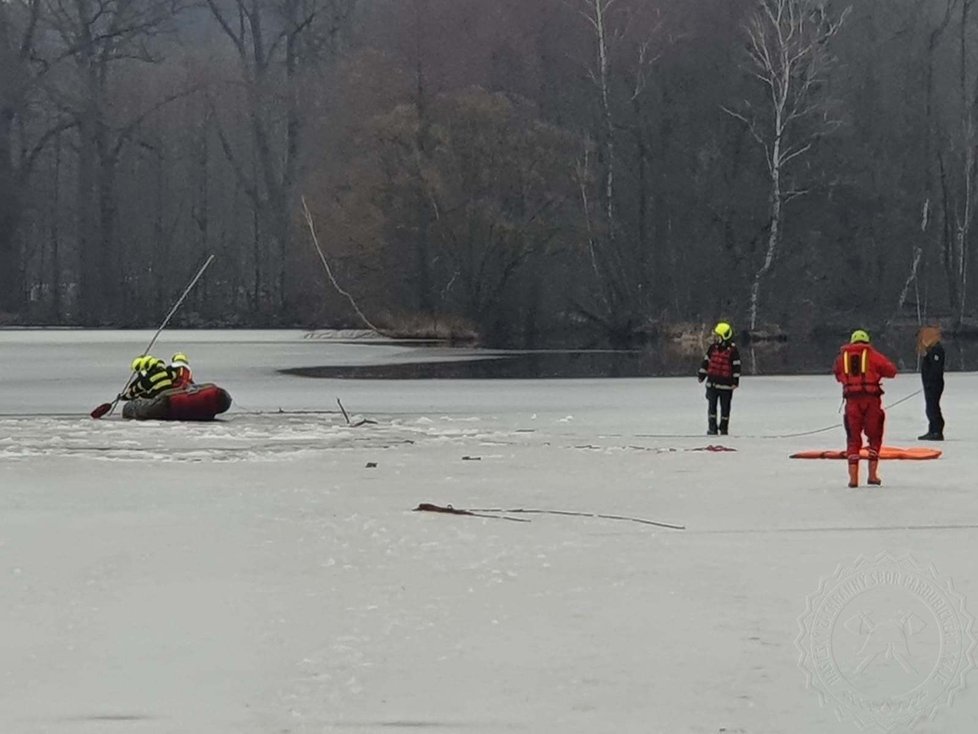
<point>152,378</point>
<point>180,371</point>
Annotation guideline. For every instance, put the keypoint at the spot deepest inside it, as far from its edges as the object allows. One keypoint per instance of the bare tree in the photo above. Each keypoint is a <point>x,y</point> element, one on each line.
<point>15,43</point>
<point>278,45</point>
<point>788,50</point>
<point>496,182</point>
<point>421,161</point>
<point>930,184</point>
<point>498,196</point>
<point>961,200</point>
<point>646,58</point>
<point>623,39</point>
<point>100,38</point>
<point>21,72</point>
<point>606,261</point>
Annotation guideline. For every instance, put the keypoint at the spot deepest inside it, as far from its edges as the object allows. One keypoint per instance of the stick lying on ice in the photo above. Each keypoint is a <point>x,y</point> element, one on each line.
<point>486,512</point>
<point>428,507</point>
<point>591,514</point>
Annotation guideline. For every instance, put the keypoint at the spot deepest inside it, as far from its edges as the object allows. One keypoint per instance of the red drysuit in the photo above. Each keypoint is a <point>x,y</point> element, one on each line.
<point>860,368</point>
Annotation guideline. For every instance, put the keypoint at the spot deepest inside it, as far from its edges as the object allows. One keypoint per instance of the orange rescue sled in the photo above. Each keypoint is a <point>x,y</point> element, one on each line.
<point>886,452</point>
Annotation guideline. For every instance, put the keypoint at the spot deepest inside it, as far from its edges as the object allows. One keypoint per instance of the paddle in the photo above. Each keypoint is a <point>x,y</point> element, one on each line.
<point>106,408</point>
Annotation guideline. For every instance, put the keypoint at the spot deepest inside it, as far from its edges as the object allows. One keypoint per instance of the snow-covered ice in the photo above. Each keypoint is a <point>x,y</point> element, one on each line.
<point>257,575</point>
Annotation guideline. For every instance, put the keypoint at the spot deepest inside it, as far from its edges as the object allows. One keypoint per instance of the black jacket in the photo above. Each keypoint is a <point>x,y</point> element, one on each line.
<point>149,383</point>
<point>932,366</point>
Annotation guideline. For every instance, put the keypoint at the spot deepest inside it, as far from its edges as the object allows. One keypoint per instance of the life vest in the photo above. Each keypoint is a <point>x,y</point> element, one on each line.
<point>181,376</point>
<point>858,371</point>
<point>721,363</point>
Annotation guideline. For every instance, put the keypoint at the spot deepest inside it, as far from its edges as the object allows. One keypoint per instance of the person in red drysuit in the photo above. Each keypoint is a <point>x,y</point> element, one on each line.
<point>860,368</point>
<point>180,371</point>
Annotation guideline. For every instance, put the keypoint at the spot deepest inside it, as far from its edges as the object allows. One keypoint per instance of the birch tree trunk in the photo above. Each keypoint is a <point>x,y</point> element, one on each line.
<point>600,9</point>
<point>935,181</point>
<point>788,54</point>
<point>601,215</point>
<point>965,210</point>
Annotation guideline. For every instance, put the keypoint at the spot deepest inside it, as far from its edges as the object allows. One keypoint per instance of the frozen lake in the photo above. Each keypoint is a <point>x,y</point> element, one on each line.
<point>265,573</point>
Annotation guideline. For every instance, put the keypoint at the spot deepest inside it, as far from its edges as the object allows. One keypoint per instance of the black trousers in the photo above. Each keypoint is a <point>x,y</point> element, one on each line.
<point>723,397</point>
<point>932,403</point>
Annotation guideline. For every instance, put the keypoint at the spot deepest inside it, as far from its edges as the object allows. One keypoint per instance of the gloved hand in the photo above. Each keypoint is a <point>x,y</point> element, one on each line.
<point>700,378</point>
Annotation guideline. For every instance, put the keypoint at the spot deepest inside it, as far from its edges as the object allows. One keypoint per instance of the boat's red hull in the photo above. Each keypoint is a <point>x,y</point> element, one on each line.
<point>192,403</point>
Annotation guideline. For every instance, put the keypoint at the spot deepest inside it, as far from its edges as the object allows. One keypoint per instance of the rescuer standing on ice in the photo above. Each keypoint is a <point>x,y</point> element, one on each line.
<point>721,371</point>
<point>860,368</point>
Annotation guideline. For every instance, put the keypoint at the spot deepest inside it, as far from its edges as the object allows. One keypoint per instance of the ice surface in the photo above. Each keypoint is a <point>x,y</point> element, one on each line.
<point>254,575</point>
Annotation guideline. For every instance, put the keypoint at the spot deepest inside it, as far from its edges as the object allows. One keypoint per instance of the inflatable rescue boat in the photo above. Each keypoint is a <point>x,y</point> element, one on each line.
<point>190,403</point>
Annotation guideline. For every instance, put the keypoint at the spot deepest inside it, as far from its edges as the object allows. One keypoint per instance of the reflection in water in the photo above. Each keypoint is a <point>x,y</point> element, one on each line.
<point>665,360</point>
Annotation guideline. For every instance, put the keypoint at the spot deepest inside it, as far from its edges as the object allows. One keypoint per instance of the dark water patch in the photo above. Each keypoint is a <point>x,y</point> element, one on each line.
<point>666,360</point>
<point>111,717</point>
<point>518,365</point>
<point>418,724</point>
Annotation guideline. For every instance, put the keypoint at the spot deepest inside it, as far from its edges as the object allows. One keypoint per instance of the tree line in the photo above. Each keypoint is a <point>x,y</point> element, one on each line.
<point>525,172</point>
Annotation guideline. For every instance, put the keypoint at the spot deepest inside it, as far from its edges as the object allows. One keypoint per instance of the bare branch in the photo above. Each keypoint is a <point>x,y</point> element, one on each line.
<point>793,152</point>
<point>329,272</point>
<point>236,38</point>
<point>794,194</point>
<point>126,132</point>
<point>247,183</point>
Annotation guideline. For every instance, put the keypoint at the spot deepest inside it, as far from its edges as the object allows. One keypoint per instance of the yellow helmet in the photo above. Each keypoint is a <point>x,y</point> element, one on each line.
<point>143,362</point>
<point>724,331</point>
<point>859,335</point>
<point>180,359</point>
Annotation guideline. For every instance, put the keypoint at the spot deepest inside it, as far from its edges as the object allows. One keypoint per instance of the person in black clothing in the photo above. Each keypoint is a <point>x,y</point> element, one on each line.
<point>721,371</point>
<point>932,375</point>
